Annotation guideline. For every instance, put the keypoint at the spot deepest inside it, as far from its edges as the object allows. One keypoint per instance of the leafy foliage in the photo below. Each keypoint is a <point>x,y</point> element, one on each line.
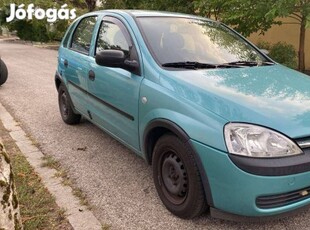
<point>91,5</point>
<point>281,52</point>
<point>264,45</point>
<point>183,6</point>
<point>248,16</point>
<point>40,30</point>
<point>212,8</point>
<point>285,54</point>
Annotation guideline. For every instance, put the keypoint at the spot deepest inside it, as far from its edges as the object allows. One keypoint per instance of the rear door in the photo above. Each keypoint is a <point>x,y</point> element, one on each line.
<point>114,92</point>
<point>76,62</point>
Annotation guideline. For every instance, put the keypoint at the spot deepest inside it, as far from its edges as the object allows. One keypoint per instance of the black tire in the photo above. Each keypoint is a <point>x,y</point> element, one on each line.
<point>3,72</point>
<point>65,108</point>
<point>177,179</point>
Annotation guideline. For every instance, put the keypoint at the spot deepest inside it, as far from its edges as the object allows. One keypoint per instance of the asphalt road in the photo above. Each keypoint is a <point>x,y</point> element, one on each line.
<point>118,183</point>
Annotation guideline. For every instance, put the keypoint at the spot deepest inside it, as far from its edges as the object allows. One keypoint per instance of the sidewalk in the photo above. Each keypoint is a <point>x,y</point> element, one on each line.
<point>78,215</point>
<point>15,39</point>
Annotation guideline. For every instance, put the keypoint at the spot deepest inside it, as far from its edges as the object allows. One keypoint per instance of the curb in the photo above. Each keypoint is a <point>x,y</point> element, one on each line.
<point>16,40</point>
<point>78,215</point>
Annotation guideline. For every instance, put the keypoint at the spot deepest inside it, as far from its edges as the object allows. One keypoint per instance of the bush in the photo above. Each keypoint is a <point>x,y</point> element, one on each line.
<point>34,30</point>
<point>57,30</point>
<point>285,54</point>
<point>281,52</point>
<point>264,45</point>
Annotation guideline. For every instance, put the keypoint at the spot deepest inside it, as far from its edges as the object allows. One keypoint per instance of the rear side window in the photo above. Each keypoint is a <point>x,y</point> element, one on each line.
<point>82,36</point>
<point>66,39</point>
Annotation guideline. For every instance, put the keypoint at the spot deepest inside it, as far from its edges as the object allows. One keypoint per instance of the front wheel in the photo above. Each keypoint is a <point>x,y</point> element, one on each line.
<point>66,110</point>
<point>176,177</point>
<point>3,72</point>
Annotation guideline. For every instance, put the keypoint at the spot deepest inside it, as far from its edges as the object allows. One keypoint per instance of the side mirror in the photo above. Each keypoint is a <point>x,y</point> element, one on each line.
<point>111,58</point>
<point>117,59</point>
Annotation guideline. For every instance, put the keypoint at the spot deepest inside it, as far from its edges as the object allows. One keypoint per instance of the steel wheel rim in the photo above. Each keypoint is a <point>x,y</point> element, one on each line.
<point>64,105</point>
<point>173,176</point>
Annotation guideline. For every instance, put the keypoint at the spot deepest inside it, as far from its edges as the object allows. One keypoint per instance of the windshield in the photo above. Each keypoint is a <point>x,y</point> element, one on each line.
<point>186,40</point>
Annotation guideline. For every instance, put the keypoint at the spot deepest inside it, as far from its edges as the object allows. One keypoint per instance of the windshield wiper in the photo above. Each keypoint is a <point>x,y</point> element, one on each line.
<point>249,63</point>
<point>189,65</point>
<point>198,65</point>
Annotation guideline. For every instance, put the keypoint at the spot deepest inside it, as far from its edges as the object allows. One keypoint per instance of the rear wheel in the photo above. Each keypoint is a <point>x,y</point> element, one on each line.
<point>176,177</point>
<point>66,110</point>
<point>3,72</point>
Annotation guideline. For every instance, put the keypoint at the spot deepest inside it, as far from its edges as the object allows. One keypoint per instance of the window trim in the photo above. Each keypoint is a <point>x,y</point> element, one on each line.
<point>71,37</point>
<point>67,38</point>
<point>118,22</point>
<point>128,36</point>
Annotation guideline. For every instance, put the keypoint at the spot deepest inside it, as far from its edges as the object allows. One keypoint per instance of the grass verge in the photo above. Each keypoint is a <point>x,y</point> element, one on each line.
<point>37,206</point>
<point>50,162</point>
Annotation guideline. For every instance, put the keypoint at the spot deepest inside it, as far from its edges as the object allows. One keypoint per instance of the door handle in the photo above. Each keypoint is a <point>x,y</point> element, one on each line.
<point>66,63</point>
<point>91,75</point>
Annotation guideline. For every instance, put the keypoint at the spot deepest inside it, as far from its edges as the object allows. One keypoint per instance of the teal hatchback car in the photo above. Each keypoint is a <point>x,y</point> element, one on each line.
<point>223,126</point>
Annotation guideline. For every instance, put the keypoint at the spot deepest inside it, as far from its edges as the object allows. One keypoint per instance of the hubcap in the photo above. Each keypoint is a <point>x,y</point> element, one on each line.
<point>64,104</point>
<point>174,177</point>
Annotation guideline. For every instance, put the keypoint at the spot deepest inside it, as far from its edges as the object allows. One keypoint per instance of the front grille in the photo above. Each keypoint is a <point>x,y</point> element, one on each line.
<point>280,200</point>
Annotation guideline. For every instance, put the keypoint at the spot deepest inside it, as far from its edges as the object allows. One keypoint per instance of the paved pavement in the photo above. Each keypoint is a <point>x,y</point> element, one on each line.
<point>117,183</point>
<point>78,215</point>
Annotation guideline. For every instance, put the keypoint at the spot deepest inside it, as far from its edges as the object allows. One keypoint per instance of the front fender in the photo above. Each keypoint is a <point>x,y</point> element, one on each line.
<point>198,123</point>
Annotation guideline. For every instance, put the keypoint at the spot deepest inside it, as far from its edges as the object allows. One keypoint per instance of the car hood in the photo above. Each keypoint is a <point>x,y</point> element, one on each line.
<point>272,96</point>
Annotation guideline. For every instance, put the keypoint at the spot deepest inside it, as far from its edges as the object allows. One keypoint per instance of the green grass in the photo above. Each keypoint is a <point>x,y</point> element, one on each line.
<point>106,227</point>
<point>37,205</point>
<point>50,162</point>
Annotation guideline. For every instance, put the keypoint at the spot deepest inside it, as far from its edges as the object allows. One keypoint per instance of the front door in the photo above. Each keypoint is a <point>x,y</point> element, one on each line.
<point>114,92</point>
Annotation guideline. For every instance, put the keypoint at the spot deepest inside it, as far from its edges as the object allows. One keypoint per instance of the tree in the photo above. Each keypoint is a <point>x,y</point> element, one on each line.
<point>91,5</point>
<point>122,4</point>
<point>299,10</point>
<point>40,30</point>
<point>183,6</point>
<point>248,16</point>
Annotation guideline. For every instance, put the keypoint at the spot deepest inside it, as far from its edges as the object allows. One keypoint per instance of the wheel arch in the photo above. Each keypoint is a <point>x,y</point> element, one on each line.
<point>154,130</point>
<point>158,127</point>
<point>58,80</point>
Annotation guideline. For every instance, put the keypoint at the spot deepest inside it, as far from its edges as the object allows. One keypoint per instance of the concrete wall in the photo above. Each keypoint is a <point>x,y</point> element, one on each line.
<point>288,33</point>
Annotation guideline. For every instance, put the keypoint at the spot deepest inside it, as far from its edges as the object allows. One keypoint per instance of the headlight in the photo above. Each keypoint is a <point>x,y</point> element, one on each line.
<point>256,141</point>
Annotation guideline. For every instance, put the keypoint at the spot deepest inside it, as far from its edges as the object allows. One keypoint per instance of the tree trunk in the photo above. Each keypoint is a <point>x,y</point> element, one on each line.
<point>91,5</point>
<point>301,52</point>
<point>9,208</point>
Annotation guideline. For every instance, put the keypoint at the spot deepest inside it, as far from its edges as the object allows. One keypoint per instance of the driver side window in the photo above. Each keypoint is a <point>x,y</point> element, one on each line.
<point>113,36</point>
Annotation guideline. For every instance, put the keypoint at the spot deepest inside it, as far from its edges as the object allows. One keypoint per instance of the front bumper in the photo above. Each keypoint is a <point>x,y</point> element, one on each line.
<point>235,191</point>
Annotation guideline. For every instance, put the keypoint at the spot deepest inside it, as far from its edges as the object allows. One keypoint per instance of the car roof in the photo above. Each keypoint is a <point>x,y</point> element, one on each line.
<point>150,13</point>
